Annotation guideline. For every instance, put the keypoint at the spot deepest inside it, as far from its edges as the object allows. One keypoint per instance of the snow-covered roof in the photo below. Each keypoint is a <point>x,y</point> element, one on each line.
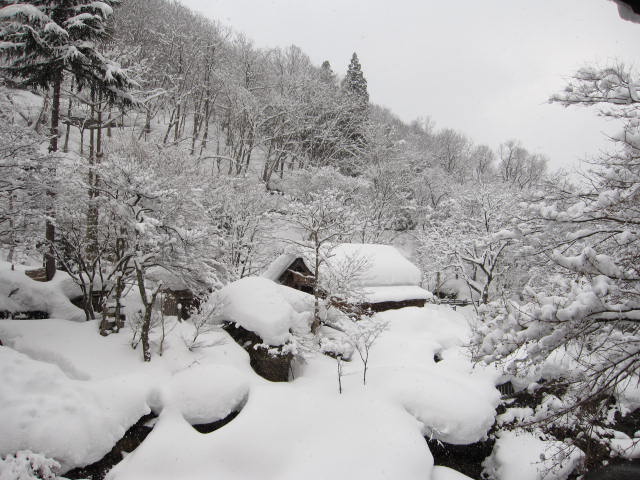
<point>278,266</point>
<point>396,293</point>
<point>269,309</point>
<point>383,265</point>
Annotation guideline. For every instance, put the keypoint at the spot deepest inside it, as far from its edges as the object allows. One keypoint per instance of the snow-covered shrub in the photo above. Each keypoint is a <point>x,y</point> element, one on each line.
<point>529,456</point>
<point>27,465</point>
<point>204,319</point>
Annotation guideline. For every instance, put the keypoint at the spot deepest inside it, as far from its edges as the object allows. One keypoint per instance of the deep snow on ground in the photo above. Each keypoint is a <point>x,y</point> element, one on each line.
<point>69,394</point>
<point>19,293</point>
<point>66,381</point>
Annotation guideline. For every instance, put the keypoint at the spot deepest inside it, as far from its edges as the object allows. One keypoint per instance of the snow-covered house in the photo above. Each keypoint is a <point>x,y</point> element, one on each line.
<point>382,277</point>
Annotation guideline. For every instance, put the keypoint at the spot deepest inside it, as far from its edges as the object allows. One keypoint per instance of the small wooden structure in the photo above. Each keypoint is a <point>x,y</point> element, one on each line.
<point>178,303</point>
<point>111,320</point>
<point>38,274</point>
<point>389,281</point>
<point>297,276</point>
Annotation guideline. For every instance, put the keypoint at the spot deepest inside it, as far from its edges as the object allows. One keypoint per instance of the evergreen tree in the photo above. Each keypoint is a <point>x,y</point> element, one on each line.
<point>43,39</point>
<point>354,83</point>
<point>354,120</point>
<point>326,73</point>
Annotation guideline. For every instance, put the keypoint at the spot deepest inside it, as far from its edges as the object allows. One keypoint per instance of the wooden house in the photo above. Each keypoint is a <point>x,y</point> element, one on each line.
<point>386,281</point>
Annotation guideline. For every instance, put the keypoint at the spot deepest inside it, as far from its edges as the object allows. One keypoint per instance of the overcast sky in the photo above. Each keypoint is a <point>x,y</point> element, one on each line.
<point>485,68</point>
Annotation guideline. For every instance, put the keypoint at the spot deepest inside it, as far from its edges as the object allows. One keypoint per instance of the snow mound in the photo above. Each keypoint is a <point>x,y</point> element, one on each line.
<point>454,402</point>
<point>78,350</point>
<point>205,394</point>
<point>446,473</point>
<point>287,433</point>
<point>73,422</point>
<point>270,310</point>
<point>452,408</point>
<point>526,456</point>
<point>20,293</point>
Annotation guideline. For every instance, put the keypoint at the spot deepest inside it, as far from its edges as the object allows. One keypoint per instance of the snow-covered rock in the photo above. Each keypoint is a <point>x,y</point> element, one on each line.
<point>446,473</point>
<point>527,456</point>
<point>205,393</point>
<point>71,421</point>
<point>270,310</point>
<point>284,433</point>
<point>454,402</point>
<point>20,293</point>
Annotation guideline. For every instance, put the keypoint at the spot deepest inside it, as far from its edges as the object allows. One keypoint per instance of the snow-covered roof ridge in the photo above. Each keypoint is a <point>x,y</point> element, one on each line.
<point>385,266</point>
<point>278,266</point>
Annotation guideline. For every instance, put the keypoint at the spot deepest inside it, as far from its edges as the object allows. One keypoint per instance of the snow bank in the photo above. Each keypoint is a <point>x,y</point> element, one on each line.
<point>284,433</point>
<point>93,387</point>
<point>270,310</point>
<point>527,456</point>
<point>446,473</point>
<point>78,350</point>
<point>73,422</point>
<point>453,401</point>
<point>20,293</point>
<point>204,394</point>
<point>44,407</point>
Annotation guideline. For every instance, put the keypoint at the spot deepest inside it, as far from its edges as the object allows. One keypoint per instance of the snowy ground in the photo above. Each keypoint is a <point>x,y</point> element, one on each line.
<point>70,394</point>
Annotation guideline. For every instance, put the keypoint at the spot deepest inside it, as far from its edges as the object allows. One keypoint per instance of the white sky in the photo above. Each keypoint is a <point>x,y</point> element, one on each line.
<point>484,67</point>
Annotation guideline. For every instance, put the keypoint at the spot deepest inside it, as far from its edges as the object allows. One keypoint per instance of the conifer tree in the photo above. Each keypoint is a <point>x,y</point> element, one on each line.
<point>354,119</point>
<point>41,41</point>
<point>354,83</point>
<point>326,73</point>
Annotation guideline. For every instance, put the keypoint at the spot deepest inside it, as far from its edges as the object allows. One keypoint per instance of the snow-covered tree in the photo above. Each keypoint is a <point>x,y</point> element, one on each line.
<point>586,315</point>
<point>23,180</point>
<point>321,219</point>
<point>41,41</point>
<point>519,167</point>
<point>468,235</point>
<point>354,83</point>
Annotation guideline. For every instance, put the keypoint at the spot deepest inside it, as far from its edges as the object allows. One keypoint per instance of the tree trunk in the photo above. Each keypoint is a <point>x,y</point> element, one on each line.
<point>50,229</point>
<point>148,310</point>
<point>316,291</point>
<point>65,147</point>
<point>92,210</point>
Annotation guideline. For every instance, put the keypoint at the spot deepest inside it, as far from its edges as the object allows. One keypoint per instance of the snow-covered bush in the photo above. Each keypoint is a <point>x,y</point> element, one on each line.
<point>27,465</point>
<point>204,319</point>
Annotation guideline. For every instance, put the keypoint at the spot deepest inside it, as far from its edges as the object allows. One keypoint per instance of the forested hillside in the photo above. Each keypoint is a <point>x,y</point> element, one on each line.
<point>147,150</point>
